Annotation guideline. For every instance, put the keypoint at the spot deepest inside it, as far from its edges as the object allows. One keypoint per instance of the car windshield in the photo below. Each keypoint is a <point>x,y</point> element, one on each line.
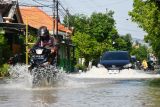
<point>115,56</point>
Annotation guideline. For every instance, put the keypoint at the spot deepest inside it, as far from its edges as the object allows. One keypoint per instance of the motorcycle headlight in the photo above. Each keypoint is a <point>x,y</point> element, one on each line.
<point>100,66</point>
<point>128,65</point>
<point>39,51</point>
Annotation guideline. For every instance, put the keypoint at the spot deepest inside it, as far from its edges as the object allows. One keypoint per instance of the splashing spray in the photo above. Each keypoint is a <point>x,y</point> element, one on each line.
<point>38,77</point>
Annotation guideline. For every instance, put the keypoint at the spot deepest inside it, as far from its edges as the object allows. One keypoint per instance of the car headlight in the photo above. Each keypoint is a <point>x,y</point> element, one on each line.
<point>128,65</point>
<point>100,66</point>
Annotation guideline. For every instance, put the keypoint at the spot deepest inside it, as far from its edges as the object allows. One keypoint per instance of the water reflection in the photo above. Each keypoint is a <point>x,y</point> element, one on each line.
<point>44,98</point>
<point>152,92</point>
<point>116,93</point>
<point>3,98</point>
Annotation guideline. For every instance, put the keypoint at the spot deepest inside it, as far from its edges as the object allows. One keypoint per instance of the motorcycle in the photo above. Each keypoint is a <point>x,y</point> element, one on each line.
<point>151,65</point>
<point>42,66</point>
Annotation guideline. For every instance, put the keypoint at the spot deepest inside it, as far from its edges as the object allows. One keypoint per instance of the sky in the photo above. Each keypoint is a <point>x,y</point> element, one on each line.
<point>120,8</point>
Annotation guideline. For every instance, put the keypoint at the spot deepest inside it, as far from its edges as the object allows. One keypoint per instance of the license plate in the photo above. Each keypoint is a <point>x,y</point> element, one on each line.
<point>38,56</point>
<point>113,71</point>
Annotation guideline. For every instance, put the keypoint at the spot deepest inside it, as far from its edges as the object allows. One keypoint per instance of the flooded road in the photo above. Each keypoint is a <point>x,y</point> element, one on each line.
<point>79,91</point>
<point>83,93</point>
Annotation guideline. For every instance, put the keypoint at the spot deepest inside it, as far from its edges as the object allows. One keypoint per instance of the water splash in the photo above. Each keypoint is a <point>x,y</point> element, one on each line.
<point>44,76</point>
<point>19,77</point>
<point>38,79</point>
<point>124,74</point>
<point>22,79</point>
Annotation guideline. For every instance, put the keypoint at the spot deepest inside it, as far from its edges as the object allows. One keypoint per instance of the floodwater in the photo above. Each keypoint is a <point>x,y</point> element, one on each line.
<point>83,90</point>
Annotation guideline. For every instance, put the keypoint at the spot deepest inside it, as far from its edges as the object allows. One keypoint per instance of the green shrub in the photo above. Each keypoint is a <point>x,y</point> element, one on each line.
<point>81,67</point>
<point>4,70</point>
<point>5,51</point>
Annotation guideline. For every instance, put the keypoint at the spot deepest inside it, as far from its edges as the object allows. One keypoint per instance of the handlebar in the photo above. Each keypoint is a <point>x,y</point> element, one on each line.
<point>46,49</point>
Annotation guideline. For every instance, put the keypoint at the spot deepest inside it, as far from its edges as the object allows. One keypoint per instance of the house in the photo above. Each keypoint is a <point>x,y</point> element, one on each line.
<point>9,11</point>
<point>11,24</point>
<point>36,18</point>
<point>13,20</point>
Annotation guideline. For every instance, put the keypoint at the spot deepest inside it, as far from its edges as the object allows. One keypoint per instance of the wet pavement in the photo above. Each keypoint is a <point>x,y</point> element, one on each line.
<point>76,92</point>
<point>95,88</point>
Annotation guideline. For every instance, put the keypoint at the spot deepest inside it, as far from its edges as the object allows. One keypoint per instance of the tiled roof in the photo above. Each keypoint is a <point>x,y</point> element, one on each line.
<point>37,18</point>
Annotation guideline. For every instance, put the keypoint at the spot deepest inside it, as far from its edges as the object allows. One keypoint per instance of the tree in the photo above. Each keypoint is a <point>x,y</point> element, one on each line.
<point>128,39</point>
<point>102,26</point>
<point>96,34</point>
<point>120,44</point>
<point>123,43</point>
<point>80,22</point>
<point>146,14</point>
<point>85,46</point>
<point>141,52</point>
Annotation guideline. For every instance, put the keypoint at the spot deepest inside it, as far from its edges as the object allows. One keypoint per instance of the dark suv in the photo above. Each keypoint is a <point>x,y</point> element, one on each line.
<point>115,60</point>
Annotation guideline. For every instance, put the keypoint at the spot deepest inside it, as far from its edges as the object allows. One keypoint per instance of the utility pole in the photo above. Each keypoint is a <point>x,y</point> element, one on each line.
<point>57,18</point>
<point>56,3</point>
<point>53,10</point>
<point>67,12</point>
<point>27,41</point>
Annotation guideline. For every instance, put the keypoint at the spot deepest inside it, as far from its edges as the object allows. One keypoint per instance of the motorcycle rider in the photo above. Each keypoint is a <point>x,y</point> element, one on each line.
<point>144,64</point>
<point>45,40</point>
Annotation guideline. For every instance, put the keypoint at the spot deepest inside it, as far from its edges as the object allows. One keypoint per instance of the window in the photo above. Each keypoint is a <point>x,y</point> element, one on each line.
<point>115,56</point>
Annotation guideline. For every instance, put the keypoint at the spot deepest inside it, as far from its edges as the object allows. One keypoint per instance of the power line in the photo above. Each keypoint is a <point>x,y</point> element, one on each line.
<point>25,5</point>
<point>50,6</point>
<point>68,6</point>
<point>62,6</point>
<point>56,6</point>
<point>62,11</point>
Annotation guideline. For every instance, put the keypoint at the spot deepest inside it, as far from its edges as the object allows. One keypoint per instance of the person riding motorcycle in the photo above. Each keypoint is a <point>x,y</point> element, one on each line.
<point>45,40</point>
<point>144,64</point>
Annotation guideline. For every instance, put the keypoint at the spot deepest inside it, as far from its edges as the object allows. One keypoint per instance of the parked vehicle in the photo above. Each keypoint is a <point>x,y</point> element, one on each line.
<point>115,60</point>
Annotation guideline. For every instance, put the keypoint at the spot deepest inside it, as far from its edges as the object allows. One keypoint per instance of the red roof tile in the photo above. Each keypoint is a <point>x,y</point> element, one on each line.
<point>37,18</point>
